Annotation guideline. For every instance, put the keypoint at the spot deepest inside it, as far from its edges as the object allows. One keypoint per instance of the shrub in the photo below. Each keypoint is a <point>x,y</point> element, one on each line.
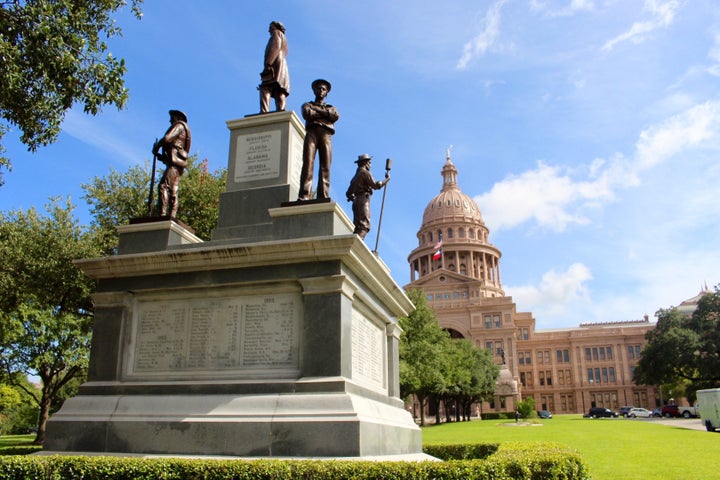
<point>513,461</point>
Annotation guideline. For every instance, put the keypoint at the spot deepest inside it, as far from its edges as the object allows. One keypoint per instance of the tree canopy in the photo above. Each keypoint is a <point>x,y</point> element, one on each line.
<point>432,365</point>
<point>53,54</point>
<point>45,305</point>
<point>119,196</point>
<point>684,349</point>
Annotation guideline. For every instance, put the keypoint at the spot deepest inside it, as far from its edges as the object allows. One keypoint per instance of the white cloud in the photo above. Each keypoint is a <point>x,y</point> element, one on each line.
<point>485,39</point>
<point>567,10</point>
<point>550,196</point>
<point>714,56</point>
<point>662,15</point>
<point>678,133</point>
<point>92,131</point>
<point>554,198</point>
<point>556,290</point>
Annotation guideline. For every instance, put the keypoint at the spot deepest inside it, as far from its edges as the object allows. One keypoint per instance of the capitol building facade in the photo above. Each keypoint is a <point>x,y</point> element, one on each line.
<point>566,370</point>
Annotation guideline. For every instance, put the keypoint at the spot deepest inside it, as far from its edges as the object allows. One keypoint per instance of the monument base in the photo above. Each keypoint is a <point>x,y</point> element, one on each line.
<point>271,425</point>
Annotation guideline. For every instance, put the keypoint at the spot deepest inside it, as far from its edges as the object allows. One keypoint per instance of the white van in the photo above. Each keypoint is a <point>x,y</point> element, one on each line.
<point>709,401</point>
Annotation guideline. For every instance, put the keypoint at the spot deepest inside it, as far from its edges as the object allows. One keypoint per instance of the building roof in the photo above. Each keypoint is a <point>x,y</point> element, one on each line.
<point>451,204</point>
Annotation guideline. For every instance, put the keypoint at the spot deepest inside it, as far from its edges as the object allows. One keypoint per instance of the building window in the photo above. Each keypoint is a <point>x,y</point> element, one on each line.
<point>602,353</point>
<point>430,297</point>
<point>591,379</point>
<point>461,232</point>
<point>498,348</point>
<point>541,376</point>
<point>488,321</point>
<point>489,346</point>
<point>496,320</point>
<point>609,352</point>
<point>611,371</point>
<point>588,355</point>
<point>450,233</point>
<point>563,356</point>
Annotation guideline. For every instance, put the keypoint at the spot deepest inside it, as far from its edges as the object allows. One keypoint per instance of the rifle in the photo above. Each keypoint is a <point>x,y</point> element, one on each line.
<point>388,165</point>
<point>152,181</point>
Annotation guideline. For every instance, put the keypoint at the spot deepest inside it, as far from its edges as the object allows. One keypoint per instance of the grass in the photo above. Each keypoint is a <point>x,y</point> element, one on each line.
<point>614,449</point>
<point>17,444</point>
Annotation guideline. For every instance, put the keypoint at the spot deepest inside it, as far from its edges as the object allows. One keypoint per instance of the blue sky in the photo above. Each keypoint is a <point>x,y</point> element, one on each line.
<point>588,131</point>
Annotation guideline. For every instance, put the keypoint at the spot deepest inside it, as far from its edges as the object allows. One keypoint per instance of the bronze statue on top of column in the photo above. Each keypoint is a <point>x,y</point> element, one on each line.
<point>320,121</point>
<point>275,78</point>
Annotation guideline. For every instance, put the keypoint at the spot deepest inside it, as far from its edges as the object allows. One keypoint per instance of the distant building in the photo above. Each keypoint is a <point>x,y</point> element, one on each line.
<point>565,370</point>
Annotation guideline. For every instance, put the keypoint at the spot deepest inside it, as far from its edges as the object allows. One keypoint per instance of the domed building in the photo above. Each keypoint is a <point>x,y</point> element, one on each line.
<point>564,370</point>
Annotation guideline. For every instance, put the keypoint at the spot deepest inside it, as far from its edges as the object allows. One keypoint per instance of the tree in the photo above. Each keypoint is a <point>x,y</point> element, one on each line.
<point>421,351</point>
<point>18,409</point>
<point>52,55</point>
<point>526,408</point>
<point>120,196</point>
<point>684,349</point>
<point>45,305</point>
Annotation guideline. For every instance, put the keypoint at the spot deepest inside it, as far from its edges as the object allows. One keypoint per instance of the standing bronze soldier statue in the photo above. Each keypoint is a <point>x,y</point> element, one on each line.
<point>175,146</point>
<point>275,78</point>
<point>320,121</point>
<point>359,192</point>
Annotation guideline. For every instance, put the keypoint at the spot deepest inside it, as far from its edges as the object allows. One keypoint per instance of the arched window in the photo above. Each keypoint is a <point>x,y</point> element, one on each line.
<point>450,233</point>
<point>461,232</point>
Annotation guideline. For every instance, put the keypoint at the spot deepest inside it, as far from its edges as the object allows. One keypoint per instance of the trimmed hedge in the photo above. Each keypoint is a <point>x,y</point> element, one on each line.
<point>462,451</point>
<point>510,461</point>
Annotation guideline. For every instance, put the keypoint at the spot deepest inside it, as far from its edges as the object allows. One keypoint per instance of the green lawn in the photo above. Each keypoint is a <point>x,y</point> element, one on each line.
<point>614,449</point>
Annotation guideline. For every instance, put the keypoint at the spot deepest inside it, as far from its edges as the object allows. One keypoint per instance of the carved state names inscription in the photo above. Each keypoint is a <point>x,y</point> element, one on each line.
<point>248,332</point>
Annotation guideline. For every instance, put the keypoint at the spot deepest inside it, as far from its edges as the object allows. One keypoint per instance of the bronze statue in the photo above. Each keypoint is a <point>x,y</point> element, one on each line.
<point>319,129</point>
<point>275,79</point>
<point>359,192</point>
<point>175,146</point>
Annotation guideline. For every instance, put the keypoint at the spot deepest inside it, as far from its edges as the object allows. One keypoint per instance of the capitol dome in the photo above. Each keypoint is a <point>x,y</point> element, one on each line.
<point>451,204</point>
<point>453,238</point>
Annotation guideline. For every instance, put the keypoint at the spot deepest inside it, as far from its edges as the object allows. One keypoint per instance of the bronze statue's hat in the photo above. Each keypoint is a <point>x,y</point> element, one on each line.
<point>178,113</point>
<point>320,81</point>
<point>363,158</point>
<point>278,25</point>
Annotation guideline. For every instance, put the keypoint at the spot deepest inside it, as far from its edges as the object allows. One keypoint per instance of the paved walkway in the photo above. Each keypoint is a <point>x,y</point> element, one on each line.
<point>690,423</point>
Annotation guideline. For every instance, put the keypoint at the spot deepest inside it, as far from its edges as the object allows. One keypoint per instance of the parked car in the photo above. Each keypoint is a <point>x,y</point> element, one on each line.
<point>598,412</point>
<point>544,414</point>
<point>670,411</point>
<point>657,412</point>
<point>625,410</point>
<point>639,412</point>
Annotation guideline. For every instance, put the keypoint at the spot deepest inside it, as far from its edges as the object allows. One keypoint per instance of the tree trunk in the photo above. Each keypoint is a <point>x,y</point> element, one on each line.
<point>43,417</point>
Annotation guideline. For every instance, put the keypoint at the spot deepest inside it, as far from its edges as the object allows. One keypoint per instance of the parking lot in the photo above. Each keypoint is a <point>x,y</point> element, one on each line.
<point>690,423</point>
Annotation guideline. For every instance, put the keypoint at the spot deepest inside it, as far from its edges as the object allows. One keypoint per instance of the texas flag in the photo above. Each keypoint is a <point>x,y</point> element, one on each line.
<point>438,249</point>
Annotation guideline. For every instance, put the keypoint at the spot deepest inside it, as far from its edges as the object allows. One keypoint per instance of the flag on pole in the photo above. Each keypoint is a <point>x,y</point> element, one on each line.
<point>438,249</point>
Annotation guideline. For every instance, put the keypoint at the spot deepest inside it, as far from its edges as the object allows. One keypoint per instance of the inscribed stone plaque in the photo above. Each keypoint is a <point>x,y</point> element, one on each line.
<point>368,352</point>
<point>258,156</point>
<point>240,333</point>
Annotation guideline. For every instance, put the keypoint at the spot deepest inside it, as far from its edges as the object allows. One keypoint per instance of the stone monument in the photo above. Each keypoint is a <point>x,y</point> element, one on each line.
<point>277,338</point>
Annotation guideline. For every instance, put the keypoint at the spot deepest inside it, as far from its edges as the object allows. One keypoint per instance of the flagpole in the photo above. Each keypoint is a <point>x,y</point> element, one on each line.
<point>388,165</point>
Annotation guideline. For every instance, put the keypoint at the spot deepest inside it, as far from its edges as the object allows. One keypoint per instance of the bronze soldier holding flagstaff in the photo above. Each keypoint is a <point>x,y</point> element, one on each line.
<point>359,192</point>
